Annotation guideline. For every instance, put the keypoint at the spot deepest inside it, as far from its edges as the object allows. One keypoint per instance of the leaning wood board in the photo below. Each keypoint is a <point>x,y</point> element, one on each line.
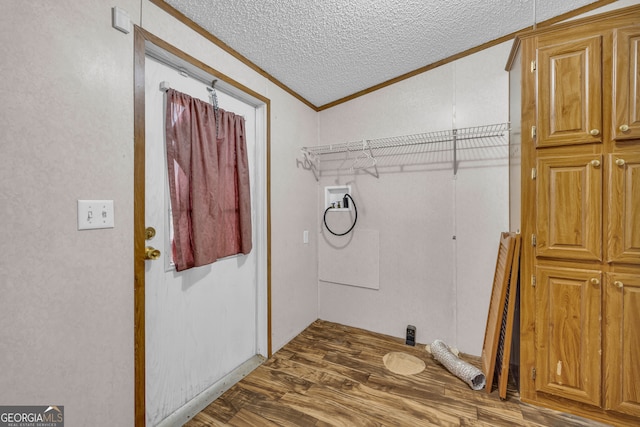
<point>506,328</point>
<point>501,276</point>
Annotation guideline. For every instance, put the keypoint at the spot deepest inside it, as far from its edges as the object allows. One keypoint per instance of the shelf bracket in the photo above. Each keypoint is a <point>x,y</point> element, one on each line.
<point>311,164</point>
<point>455,157</point>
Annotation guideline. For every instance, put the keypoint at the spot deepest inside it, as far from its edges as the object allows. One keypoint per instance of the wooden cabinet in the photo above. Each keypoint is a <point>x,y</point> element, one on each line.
<point>568,333</point>
<point>570,94</point>
<point>623,343</point>
<point>579,98</point>
<point>624,208</point>
<point>626,106</point>
<point>569,197</point>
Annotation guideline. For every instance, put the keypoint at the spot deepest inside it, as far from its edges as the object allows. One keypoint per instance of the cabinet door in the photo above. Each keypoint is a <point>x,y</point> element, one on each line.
<point>624,209</point>
<point>569,92</point>
<point>569,202</point>
<point>568,333</point>
<point>622,335</point>
<point>626,105</point>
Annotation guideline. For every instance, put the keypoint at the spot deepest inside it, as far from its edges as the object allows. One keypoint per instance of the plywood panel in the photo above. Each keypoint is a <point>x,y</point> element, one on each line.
<point>506,329</point>
<point>506,250</point>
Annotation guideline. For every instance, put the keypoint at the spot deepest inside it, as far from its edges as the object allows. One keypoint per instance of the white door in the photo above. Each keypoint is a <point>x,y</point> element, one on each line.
<point>201,323</point>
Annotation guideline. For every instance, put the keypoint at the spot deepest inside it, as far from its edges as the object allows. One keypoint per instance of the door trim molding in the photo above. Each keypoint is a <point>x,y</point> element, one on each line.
<point>143,43</point>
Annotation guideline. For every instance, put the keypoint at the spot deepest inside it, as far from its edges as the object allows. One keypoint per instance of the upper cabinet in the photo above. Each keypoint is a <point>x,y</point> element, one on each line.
<point>626,106</point>
<point>570,90</point>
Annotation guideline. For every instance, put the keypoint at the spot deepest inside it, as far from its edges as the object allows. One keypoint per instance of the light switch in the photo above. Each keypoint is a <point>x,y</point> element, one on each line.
<point>94,214</point>
<point>305,237</point>
<point>120,20</point>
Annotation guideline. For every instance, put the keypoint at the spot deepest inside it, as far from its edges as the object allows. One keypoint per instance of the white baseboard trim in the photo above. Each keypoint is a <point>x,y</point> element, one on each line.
<point>201,401</point>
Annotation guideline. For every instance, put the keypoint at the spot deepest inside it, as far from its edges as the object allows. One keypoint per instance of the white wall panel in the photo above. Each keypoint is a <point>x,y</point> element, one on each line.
<point>481,189</point>
<point>428,278</point>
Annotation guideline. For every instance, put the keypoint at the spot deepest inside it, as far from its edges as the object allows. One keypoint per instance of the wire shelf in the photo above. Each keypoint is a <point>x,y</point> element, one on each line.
<point>365,154</point>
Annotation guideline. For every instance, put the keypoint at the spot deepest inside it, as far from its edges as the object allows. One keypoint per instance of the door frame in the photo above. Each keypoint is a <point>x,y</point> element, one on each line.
<point>144,43</point>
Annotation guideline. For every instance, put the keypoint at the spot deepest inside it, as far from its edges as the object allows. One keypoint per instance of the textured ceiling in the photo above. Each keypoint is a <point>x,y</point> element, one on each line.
<point>325,50</point>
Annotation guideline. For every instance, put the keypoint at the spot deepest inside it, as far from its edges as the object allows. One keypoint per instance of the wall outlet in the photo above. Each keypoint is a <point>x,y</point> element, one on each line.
<point>93,214</point>
<point>411,335</point>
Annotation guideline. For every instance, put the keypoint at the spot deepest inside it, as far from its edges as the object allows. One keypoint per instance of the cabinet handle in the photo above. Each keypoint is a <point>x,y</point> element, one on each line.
<point>620,162</point>
<point>618,284</point>
<point>595,163</point>
<point>624,128</point>
<point>595,281</point>
<point>594,132</point>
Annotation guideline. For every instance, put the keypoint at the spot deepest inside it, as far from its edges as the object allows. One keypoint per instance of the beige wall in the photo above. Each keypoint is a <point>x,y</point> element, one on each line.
<point>66,308</point>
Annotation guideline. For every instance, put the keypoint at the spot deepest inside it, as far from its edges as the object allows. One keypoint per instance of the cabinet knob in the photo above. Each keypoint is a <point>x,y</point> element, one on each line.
<point>618,284</point>
<point>595,163</point>
<point>595,281</point>
<point>620,162</point>
<point>624,128</point>
<point>594,132</point>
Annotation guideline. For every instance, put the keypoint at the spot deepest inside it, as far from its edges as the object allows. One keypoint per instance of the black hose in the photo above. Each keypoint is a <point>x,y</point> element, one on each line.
<point>355,209</point>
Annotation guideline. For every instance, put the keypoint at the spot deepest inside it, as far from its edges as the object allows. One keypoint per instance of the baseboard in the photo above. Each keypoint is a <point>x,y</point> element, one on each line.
<point>201,401</point>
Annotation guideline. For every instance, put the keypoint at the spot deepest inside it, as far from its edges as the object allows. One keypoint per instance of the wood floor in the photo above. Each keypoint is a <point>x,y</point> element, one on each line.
<point>333,375</point>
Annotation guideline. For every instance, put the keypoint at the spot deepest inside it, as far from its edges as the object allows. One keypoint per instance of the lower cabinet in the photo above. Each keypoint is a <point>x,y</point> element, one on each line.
<point>622,343</point>
<point>568,302</point>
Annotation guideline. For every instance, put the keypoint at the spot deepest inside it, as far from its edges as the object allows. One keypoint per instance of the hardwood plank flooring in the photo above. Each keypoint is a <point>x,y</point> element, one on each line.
<point>333,375</point>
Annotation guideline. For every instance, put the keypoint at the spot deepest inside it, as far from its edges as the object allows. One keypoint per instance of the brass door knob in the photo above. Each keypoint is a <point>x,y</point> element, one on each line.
<point>624,128</point>
<point>595,163</point>
<point>595,281</point>
<point>594,132</point>
<point>620,162</point>
<point>618,284</point>
<point>151,253</point>
<point>149,233</point>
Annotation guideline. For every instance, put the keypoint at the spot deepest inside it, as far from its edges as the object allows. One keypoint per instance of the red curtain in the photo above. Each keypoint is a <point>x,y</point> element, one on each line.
<point>208,181</point>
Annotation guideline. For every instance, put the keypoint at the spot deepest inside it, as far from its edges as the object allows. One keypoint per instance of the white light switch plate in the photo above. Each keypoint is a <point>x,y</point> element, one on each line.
<point>94,214</point>
<point>120,20</point>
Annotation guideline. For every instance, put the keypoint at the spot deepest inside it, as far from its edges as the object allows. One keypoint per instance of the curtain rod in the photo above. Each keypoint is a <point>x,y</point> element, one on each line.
<point>165,85</point>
